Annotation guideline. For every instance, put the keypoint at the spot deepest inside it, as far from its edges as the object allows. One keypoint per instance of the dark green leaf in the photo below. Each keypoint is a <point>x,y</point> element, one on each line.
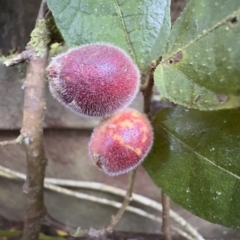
<point>140,27</point>
<point>196,161</point>
<point>200,66</point>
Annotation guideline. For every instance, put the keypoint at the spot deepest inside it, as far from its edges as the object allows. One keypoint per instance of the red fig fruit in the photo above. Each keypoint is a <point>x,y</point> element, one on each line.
<point>120,143</point>
<point>94,80</point>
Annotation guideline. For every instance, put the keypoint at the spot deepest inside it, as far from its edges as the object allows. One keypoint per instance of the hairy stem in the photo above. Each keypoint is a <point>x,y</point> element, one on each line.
<point>32,131</point>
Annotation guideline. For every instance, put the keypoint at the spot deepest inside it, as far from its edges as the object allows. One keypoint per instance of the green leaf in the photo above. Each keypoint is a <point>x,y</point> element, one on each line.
<point>176,86</point>
<point>203,57</point>
<point>196,161</point>
<point>140,27</point>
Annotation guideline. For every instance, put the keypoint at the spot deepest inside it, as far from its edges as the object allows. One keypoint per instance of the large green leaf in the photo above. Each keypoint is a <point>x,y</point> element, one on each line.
<point>196,161</point>
<point>200,65</point>
<point>140,27</point>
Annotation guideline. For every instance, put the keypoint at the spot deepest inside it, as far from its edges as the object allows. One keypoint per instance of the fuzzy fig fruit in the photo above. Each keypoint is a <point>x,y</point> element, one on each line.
<point>95,80</point>
<point>121,142</point>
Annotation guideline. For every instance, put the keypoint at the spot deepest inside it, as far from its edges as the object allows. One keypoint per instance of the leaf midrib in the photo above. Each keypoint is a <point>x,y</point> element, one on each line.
<point>119,12</point>
<point>188,78</point>
<point>199,155</point>
<point>204,33</point>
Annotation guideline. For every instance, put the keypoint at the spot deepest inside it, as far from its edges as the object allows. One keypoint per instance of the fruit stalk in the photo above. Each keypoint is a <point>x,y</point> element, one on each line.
<point>126,201</point>
<point>147,95</point>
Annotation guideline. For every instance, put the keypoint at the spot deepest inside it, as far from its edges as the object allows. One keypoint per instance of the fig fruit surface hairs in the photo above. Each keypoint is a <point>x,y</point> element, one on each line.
<point>95,80</point>
<point>120,143</point>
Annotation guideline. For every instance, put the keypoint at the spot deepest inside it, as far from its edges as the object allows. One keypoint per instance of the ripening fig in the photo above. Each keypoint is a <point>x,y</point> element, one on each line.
<point>95,80</point>
<point>120,143</point>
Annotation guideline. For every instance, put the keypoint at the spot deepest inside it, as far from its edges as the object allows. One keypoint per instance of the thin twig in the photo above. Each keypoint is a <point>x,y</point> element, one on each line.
<point>22,57</point>
<point>127,199</point>
<point>110,189</point>
<point>166,217</point>
<point>18,140</point>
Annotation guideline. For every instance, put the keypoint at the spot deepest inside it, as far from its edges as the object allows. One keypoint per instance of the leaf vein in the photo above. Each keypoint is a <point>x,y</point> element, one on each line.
<point>119,12</point>
<point>200,36</point>
<point>201,156</point>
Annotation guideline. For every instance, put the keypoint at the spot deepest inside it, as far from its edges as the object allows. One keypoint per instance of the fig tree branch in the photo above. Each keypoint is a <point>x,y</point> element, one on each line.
<point>32,130</point>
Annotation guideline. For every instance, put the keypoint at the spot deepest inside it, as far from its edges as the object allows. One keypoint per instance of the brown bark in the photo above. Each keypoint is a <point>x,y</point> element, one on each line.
<point>32,131</point>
